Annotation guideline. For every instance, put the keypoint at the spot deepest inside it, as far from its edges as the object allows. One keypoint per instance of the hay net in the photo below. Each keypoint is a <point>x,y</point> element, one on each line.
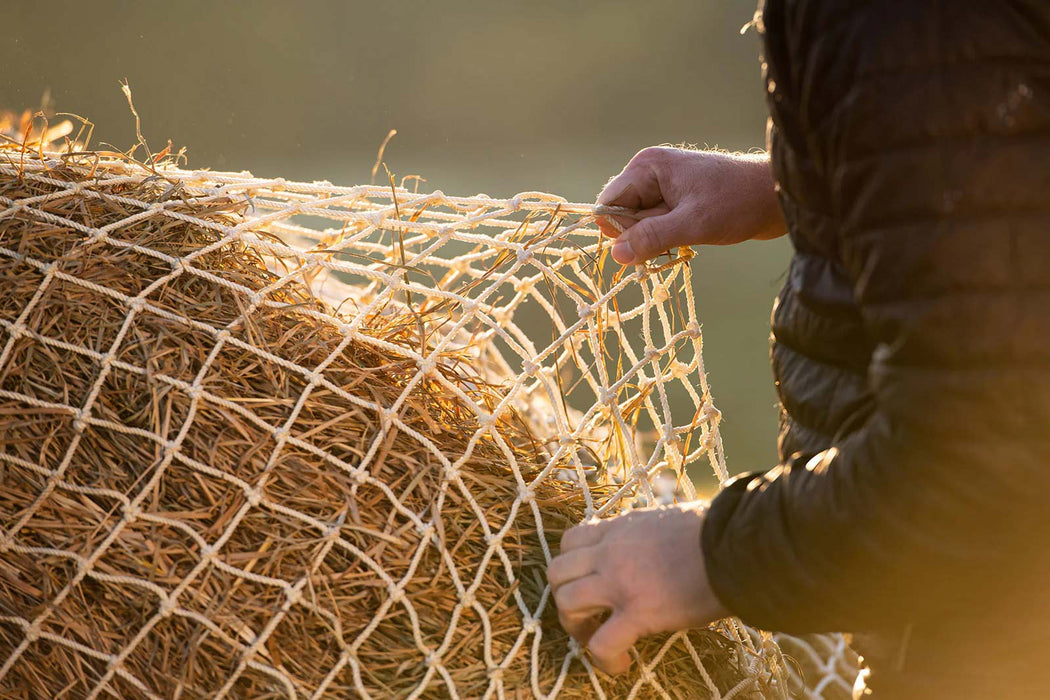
<point>271,438</point>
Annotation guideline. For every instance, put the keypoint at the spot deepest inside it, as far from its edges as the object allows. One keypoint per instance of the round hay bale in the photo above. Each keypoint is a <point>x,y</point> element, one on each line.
<point>212,482</point>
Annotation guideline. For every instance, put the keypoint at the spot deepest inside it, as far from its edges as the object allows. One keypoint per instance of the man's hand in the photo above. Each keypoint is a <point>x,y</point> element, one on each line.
<point>644,569</point>
<point>690,198</point>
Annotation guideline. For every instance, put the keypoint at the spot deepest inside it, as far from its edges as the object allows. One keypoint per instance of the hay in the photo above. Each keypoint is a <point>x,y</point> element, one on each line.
<point>231,514</point>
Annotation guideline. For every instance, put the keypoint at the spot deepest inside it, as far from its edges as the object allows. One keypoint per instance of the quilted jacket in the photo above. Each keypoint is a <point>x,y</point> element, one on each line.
<point>910,141</point>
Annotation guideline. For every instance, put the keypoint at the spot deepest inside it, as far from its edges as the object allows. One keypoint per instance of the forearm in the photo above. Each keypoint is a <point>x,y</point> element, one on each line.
<point>889,527</point>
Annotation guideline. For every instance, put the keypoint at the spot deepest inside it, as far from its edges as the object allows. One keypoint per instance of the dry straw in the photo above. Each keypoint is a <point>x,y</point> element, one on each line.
<point>214,482</point>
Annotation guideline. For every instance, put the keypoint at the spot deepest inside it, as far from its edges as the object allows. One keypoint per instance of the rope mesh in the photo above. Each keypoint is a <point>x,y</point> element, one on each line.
<point>557,373</point>
<point>820,666</point>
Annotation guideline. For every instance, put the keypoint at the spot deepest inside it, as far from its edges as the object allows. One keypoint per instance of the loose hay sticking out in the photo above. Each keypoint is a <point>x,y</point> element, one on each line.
<point>214,482</point>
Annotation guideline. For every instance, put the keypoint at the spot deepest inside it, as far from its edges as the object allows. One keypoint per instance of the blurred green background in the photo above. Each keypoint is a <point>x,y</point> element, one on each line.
<point>493,97</point>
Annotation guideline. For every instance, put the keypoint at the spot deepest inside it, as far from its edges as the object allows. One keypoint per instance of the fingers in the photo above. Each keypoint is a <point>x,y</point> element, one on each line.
<point>581,628</point>
<point>612,225</point>
<point>655,235</point>
<point>611,644</point>
<point>580,604</point>
<point>584,535</point>
<point>637,187</point>
<point>583,597</point>
<point>573,564</point>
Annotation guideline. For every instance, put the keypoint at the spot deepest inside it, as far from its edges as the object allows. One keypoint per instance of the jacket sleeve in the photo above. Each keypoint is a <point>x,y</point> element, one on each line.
<point>934,141</point>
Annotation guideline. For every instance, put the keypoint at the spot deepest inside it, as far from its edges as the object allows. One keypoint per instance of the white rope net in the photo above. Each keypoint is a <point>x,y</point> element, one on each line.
<point>508,308</point>
<point>820,666</point>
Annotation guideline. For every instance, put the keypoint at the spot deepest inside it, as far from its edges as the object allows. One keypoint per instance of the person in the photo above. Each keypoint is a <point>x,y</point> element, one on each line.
<point>909,162</point>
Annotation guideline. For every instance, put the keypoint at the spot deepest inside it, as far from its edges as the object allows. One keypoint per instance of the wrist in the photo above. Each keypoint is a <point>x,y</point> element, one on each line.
<point>694,603</point>
<point>768,216</point>
<point>709,606</point>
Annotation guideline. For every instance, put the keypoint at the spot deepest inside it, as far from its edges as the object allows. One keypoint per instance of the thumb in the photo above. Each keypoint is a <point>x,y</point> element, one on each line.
<point>654,235</point>
<point>610,646</point>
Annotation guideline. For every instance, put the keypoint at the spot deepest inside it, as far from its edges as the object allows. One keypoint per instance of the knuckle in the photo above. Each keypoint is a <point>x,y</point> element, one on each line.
<point>610,186</point>
<point>567,539</point>
<point>554,571</point>
<point>580,595</point>
<point>622,568</point>
<point>650,155</point>
<point>563,598</point>
<point>568,597</point>
<point>609,554</point>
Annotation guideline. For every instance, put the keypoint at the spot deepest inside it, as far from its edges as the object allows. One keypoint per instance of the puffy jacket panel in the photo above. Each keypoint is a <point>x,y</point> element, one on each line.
<point>911,341</point>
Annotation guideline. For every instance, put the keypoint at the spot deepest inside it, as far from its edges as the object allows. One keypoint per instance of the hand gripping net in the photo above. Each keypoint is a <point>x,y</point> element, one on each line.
<point>262,437</point>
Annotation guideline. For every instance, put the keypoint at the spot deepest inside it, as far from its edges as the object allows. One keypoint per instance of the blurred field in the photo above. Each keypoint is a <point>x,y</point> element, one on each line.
<point>496,97</point>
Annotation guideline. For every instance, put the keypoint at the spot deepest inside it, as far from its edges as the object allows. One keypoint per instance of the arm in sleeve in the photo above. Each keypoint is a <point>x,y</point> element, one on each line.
<point>938,164</point>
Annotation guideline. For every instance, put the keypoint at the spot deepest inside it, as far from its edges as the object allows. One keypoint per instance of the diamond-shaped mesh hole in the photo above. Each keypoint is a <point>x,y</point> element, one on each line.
<point>162,554</point>
<point>240,607</point>
<point>102,615</point>
<point>196,661</point>
<point>113,459</point>
<point>199,500</point>
<point>142,401</point>
<point>29,582</point>
<point>369,521</point>
<point>309,630</point>
<point>79,315</point>
<point>39,436</point>
<point>313,486</point>
<point>198,298</point>
<point>73,522</point>
<point>31,235</point>
<point>229,441</point>
<point>238,372</point>
<point>273,544</point>
<point>53,670</point>
<point>23,279</point>
<point>48,373</point>
<point>163,346</point>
